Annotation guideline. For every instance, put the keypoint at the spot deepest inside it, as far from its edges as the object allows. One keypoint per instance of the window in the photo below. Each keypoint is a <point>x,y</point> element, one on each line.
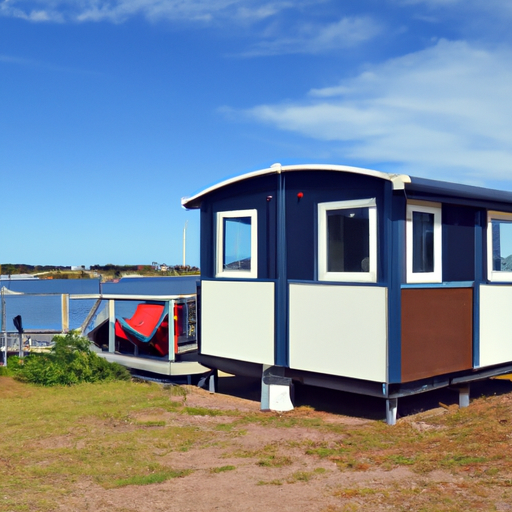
<point>347,241</point>
<point>499,246</point>
<point>424,257</point>
<point>237,244</point>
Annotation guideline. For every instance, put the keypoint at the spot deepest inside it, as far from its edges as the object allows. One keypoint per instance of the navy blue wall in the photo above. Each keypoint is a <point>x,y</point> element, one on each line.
<point>302,216</point>
<point>257,193</point>
<point>458,243</point>
<point>261,193</point>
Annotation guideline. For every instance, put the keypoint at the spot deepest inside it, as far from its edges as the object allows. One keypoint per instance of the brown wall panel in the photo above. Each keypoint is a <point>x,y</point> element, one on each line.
<point>437,331</point>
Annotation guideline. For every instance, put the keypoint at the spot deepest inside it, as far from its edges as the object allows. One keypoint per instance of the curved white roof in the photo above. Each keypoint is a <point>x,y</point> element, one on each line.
<point>398,180</point>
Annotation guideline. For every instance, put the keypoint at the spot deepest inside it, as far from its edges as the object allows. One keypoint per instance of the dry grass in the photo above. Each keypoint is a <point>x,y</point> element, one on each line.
<point>131,434</point>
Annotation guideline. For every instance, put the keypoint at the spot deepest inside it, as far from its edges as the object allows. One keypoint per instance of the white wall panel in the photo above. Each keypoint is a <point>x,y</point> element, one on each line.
<point>237,320</point>
<point>495,324</point>
<point>339,330</point>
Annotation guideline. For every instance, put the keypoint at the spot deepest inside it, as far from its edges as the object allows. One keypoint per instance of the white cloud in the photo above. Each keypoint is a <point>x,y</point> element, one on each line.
<point>431,3</point>
<point>285,31</point>
<point>31,63</point>
<point>315,38</point>
<point>119,10</point>
<point>465,6</point>
<point>443,110</point>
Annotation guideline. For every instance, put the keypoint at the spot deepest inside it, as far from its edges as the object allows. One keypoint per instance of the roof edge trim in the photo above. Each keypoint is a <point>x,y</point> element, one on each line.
<point>398,181</point>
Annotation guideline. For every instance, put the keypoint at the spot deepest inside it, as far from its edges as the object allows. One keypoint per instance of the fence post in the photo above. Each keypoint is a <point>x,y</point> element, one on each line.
<point>172,329</point>
<point>65,312</point>
<point>3,326</point>
<point>111,326</point>
<point>5,347</point>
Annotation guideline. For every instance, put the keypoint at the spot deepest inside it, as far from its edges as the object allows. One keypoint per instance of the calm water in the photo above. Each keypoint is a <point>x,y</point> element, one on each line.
<point>44,312</point>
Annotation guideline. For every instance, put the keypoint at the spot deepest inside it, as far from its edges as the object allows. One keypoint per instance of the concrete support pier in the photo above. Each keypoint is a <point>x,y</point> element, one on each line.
<point>210,381</point>
<point>391,410</point>
<point>276,390</point>
<point>463,390</point>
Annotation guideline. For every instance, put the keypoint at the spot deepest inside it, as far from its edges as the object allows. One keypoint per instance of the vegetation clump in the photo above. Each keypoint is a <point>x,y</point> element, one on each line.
<point>69,362</point>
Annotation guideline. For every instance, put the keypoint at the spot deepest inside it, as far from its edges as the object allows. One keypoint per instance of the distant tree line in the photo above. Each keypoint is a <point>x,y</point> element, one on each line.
<point>169,269</point>
<point>23,268</point>
<point>110,267</point>
<point>65,272</point>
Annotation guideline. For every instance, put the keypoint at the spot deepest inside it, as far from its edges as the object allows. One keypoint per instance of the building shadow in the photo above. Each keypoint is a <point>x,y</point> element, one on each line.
<point>362,406</point>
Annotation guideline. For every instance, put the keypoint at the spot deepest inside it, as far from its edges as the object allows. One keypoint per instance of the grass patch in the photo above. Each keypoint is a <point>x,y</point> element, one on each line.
<point>350,493</point>
<point>300,476</point>
<point>462,460</point>
<point>155,423</point>
<point>282,420</point>
<point>153,478</point>
<point>275,461</point>
<point>263,452</point>
<point>270,482</point>
<point>225,427</point>
<point>124,433</point>
<point>202,411</point>
<point>401,460</point>
<point>64,434</point>
<point>222,469</point>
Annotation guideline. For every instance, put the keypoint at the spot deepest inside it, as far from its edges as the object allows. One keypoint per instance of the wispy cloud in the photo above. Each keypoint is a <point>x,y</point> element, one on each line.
<point>31,63</point>
<point>119,11</point>
<point>431,3</point>
<point>463,7</point>
<point>36,12</point>
<point>316,38</point>
<point>443,110</point>
<point>284,26</point>
<point>470,20</point>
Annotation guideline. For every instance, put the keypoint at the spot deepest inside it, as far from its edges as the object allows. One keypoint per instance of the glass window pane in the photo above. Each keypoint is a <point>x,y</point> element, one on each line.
<point>422,242</point>
<point>237,243</point>
<point>348,237</point>
<point>501,245</point>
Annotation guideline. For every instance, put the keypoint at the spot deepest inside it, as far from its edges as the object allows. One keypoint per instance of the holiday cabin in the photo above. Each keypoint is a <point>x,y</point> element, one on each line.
<point>353,279</point>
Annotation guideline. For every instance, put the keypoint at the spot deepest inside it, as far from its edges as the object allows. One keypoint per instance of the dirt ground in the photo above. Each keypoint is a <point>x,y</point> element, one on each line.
<point>305,483</point>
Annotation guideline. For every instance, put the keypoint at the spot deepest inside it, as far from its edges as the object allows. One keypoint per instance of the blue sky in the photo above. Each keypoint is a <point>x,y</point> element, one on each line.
<point>110,112</point>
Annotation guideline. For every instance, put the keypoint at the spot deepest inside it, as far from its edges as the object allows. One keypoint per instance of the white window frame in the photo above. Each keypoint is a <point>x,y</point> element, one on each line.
<point>239,274</point>
<point>496,275</point>
<point>425,277</point>
<point>362,277</point>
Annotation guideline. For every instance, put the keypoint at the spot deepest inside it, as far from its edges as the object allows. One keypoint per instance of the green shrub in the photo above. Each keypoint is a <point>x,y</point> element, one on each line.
<point>70,361</point>
<point>4,371</point>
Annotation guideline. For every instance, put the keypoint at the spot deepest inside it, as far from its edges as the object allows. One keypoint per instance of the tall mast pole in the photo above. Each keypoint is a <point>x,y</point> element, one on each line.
<point>184,241</point>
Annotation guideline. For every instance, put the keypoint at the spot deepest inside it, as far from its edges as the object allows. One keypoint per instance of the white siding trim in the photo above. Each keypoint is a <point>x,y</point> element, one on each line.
<point>495,325</point>
<point>323,273</point>
<point>425,277</point>
<point>219,254</point>
<point>237,320</point>
<point>339,330</point>
<point>495,275</point>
